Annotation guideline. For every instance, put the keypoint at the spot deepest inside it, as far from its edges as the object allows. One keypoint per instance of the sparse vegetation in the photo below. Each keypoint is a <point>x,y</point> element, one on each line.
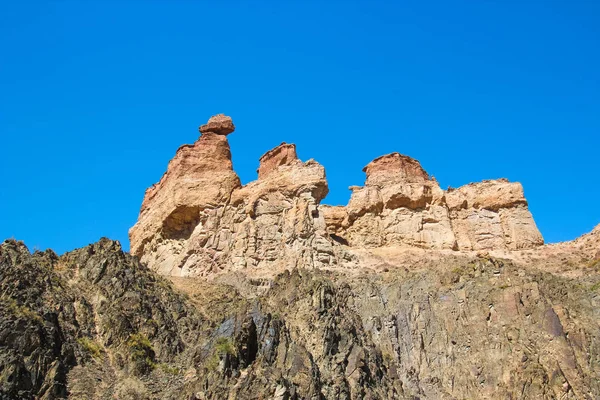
<point>131,388</point>
<point>387,357</point>
<point>594,264</point>
<point>152,322</point>
<point>91,347</point>
<point>141,352</point>
<point>20,310</point>
<point>212,363</point>
<point>223,347</point>
<point>167,369</point>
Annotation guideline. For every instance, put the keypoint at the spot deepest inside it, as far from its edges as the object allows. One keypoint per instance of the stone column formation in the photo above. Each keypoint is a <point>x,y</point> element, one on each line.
<point>199,219</point>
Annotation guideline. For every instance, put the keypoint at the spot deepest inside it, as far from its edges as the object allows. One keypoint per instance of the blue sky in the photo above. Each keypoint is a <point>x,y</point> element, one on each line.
<point>96,96</point>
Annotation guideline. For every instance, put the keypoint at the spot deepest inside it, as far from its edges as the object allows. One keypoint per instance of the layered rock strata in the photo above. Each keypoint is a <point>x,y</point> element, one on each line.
<point>199,219</point>
<point>401,204</point>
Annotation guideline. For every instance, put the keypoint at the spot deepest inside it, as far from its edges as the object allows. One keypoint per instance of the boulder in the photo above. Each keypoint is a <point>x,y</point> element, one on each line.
<point>220,124</point>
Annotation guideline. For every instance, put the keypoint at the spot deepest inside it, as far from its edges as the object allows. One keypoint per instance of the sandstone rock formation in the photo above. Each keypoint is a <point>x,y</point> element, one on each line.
<point>199,220</point>
<point>284,154</point>
<point>401,205</point>
<point>490,215</point>
<point>408,292</point>
<point>219,124</point>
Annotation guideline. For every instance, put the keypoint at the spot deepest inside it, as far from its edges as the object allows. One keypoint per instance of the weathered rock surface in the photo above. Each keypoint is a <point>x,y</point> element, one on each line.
<point>491,215</point>
<point>401,205</point>
<point>86,323</point>
<point>199,220</point>
<point>96,324</point>
<point>219,124</point>
<point>199,177</point>
<point>284,154</point>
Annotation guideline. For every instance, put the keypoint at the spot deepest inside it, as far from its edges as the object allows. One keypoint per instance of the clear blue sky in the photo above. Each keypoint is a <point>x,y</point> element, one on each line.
<point>96,96</point>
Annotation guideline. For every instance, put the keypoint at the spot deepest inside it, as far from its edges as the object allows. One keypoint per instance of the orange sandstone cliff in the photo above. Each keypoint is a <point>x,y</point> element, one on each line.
<point>199,219</point>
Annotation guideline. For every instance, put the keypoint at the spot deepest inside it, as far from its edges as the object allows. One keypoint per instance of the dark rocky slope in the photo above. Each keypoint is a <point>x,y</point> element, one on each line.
<point>84,322</point>
<point>95,324</point>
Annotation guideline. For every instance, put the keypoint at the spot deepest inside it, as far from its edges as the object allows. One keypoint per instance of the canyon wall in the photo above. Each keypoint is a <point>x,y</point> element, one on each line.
<point>199,219</point>
<point>401,205</point>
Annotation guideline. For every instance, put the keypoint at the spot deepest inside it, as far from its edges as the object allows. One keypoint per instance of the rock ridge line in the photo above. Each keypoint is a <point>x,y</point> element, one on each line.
<point>199,220</point>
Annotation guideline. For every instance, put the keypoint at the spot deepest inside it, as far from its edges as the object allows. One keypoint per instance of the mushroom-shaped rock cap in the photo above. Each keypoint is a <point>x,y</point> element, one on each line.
<point>220,124</point>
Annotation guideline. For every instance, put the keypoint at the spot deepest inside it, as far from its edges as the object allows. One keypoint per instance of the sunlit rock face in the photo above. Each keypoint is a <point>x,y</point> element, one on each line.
<point>401,205</point>
<point>492,214</point>
<point>200,177</point>
<point>199,220</point>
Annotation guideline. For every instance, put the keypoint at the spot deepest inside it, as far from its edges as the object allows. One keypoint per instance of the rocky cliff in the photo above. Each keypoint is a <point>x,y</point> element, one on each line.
<point>400,205</point>
<point>95,324</point>
<point>259,291</point>
<point>198,220</point>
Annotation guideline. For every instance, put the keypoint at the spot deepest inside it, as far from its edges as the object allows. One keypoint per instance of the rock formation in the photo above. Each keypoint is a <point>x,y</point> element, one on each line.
<point>491,215</point>
<point>199,220</point>
<point>200,176</point>
<point>401,205</point>
<point>95,323</point>
<point>408,292</point>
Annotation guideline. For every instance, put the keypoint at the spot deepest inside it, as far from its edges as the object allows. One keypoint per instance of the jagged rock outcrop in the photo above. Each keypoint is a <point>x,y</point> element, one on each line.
<point>199,177</point>
<point>491,215</point>
<point>87,324</point>
<point>95,323</point>
<point>401,205</point>
<point>199,220</point>
<point>284,154</point>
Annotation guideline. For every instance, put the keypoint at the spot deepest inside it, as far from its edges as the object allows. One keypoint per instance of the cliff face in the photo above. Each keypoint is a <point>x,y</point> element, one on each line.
<point>95,324</point>
<point>401,206</point>
<point>198,220</point>
<point>408,292</point>
<point>199,177</point>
